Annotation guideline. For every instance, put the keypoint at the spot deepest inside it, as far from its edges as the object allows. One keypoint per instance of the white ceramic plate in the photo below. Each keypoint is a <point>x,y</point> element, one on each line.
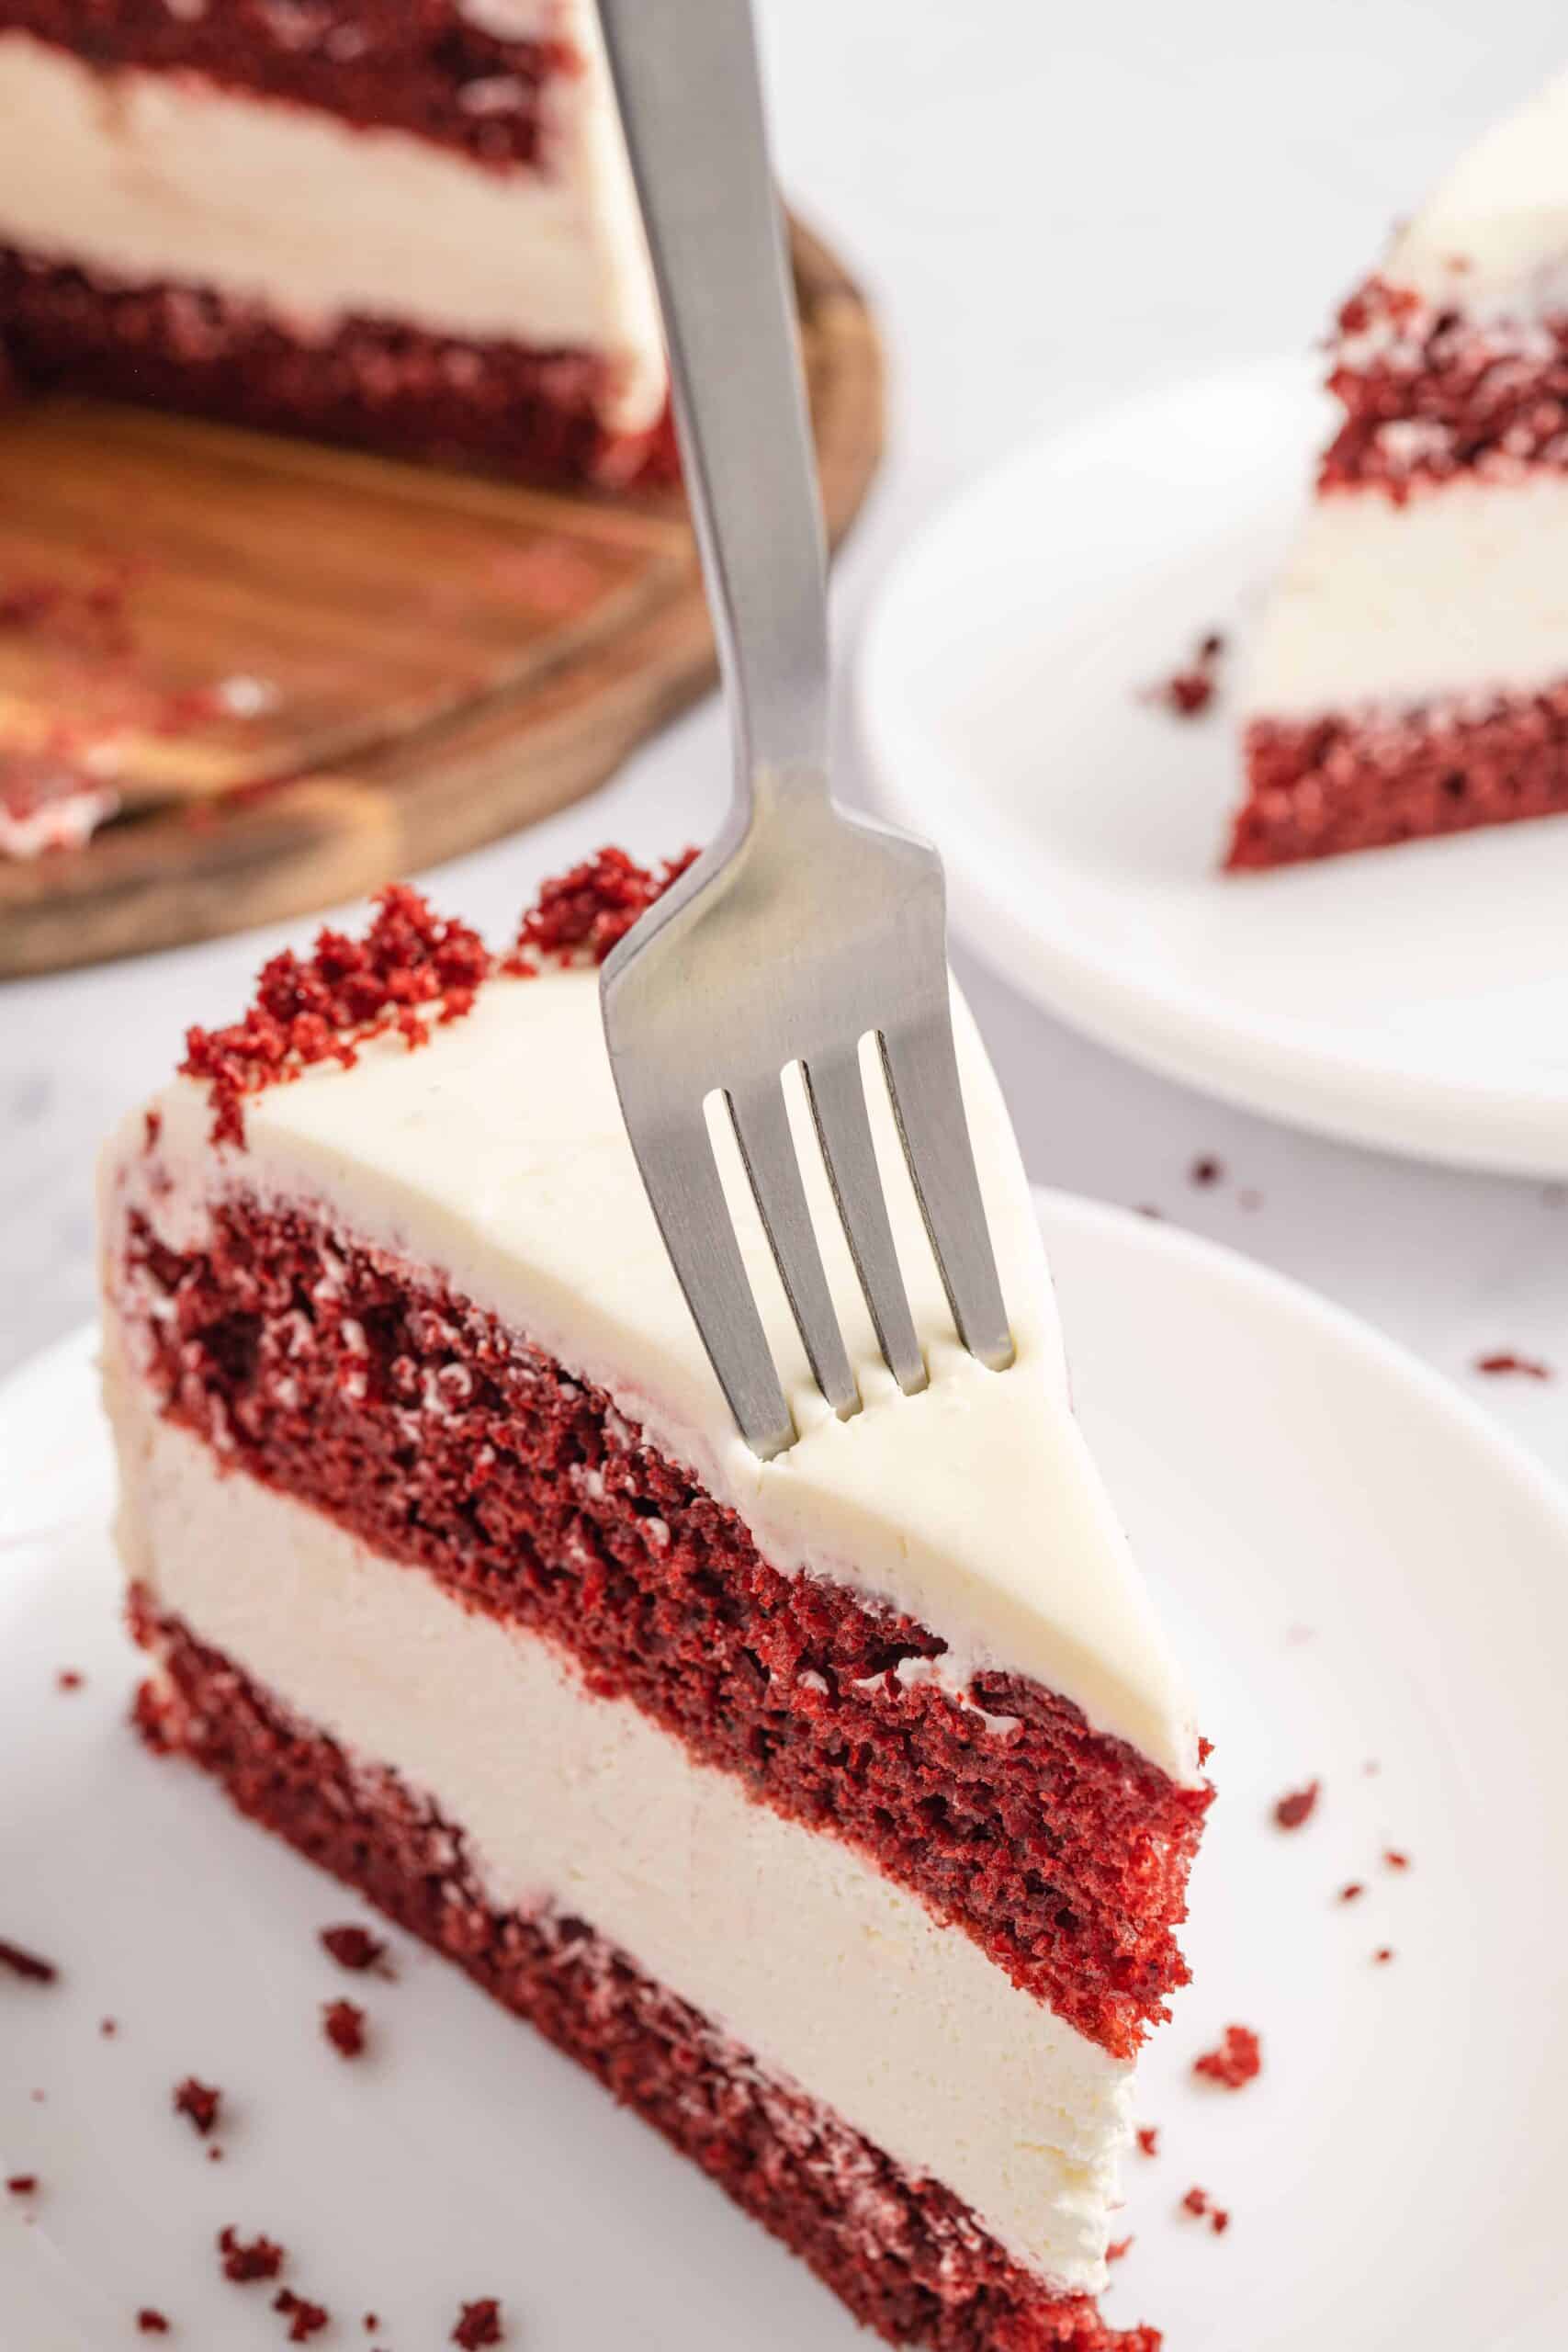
<point>1415,999</point>
<point>1358,1567</point>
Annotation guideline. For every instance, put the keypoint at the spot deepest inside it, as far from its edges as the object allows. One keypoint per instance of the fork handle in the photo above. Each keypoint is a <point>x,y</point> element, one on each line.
<point>688,85</point>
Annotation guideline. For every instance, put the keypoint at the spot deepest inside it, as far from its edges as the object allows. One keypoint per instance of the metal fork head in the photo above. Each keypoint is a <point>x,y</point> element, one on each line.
<point>801,931</point>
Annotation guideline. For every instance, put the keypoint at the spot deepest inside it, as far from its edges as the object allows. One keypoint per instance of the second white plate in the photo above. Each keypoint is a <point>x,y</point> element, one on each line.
<point>1414,998</point>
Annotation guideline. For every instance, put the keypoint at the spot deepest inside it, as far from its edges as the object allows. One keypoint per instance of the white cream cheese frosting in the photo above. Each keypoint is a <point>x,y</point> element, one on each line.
<point>495,1156</point>
<point>142,178</point>
<point>579,1804</point>
<point>1491,240</point>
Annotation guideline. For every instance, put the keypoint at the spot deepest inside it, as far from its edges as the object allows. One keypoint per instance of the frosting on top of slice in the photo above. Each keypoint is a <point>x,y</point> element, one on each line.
<point>1491,240</point>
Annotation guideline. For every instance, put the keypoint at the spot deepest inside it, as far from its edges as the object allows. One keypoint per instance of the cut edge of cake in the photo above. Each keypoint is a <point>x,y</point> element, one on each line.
<point>988,1878</point>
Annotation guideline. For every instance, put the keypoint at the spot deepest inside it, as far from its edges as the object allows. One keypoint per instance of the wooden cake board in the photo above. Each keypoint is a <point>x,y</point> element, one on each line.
<point>310,670</point>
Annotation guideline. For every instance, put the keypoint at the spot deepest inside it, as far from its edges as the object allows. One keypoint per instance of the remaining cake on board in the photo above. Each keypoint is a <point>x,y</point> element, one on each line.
<point>836,1811</point>
<point>412,227</point>
<point>1411,677</point>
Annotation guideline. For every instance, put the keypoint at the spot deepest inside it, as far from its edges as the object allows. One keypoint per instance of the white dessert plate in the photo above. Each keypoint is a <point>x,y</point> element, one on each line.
<point>1414,998</point>
<point>1361,1570</point>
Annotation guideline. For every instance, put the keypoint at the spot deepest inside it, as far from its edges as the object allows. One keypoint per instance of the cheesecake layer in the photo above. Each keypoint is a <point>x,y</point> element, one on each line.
<point>1457,590</point>
<point>574,1805</point>
<point>140,179</point>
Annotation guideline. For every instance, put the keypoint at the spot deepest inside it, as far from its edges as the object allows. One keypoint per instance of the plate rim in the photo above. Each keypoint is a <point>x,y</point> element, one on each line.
<point>1286,1068</point>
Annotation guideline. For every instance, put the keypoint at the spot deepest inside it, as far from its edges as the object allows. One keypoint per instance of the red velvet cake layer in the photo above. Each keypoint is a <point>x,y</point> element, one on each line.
<point>902,2252</point>
<point>1429,396</point>
<point>415,65</point>
<point>416,1421</point>
<point>1317,787</point>
<point>492,407</point>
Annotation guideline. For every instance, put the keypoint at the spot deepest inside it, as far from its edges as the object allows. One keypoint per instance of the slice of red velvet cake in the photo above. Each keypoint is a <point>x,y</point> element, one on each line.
<point>1412,673</point>
<point>836,1811</point>
<point>409,227</point>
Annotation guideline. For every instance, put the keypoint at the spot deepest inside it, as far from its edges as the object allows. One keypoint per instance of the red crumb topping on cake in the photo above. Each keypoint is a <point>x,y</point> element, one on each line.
<point>356,1949</point>
<point>151,2322</point>
<point>27,1964</point>
<point>427,1428</point>
<point>261,2258</point>
<point>1237,2061</point>
<point>411,971</point>
<point>479,2324</point>
<point>1148,2139</point>
<point>902,2252</point>
<point>342,2022</point>
<point>305,2318</point>
<point>68,1679</point>
<point>22,2184</point>
<point>1298,1807</point>
<point>200,2101</point>
<point>1505,1361</point>
<point>1190,690</point>
<point>587,911</point>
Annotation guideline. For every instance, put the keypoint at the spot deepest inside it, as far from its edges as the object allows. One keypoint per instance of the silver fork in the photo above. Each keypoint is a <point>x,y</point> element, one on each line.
<point>803,929</point>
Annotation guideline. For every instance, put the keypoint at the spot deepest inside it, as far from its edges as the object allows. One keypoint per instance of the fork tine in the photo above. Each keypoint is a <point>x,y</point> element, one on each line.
<point>767,1146</point>
<point>838,1102</point>
<point>922,1073</point>
<point>683,1183</point>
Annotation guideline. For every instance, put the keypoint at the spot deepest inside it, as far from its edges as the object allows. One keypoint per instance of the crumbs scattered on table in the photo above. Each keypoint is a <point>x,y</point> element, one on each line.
<point>479,2324</point>
<point>1119,2249</point>
<point>1298,1806</point>
<point>1237,2061</point>
<point>356,1949</point>
<point>1384,1954</point>
<point>1395,1860</point>
<point>198,2101</point>
<point>23,2184</point>
<point>261,2258</point>
<point>1198,2202</point>
<point>1353,1892</point>
<point>151,2322</point>
<point>1206,1169</point>
<point>1148,2139</point>
<point>1506,1362</point>
<point>342,2022</point>
<point>305,2318</point>
<point>69,1678</point>
<point>108,2028</point>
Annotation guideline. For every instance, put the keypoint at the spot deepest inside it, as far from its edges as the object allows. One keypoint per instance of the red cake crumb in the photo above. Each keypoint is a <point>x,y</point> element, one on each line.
<point>1298,1807</point>
<point>1198,2202</point>
<point>1384,1954</point>
<point>108,2028</point>
<point>1190,690</point>
<point>27,1964</point>
<point>1148,2139</point>
<point>1119,2248</point>
<point>23,2184</point>
<point>262,2258</point>
<point>588,911</point>
<point>215,2155</point>
<point>1395,1860</point>
<point>371,2323</point>
<point>1237,2061</point>
<point>200,2101</point>
<point>151,2322</point>
<point>68,1679</point>
<point>1529,1367</point>
<point>356,1949</point>
<point>413,969</point>
<point>305,2318</point>
<point>1206,1171</point>
<point>479,2324</point>
<point>342,2022</point>
<point>1353,1892</point>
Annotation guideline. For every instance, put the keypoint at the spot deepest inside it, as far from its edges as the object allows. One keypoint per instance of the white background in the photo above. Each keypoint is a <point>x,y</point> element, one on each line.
<point>1052,208</point>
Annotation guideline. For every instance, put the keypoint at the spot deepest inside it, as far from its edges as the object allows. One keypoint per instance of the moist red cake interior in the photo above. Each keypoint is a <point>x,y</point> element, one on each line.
<point>413,1418</point>
<point>906,2255</point>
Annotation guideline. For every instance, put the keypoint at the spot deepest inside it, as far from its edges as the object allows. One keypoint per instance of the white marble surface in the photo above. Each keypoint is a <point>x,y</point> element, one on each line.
<point>1051,208</point>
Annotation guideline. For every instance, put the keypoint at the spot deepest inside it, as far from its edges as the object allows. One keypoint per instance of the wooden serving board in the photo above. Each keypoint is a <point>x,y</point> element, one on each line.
<point>310,669</point>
